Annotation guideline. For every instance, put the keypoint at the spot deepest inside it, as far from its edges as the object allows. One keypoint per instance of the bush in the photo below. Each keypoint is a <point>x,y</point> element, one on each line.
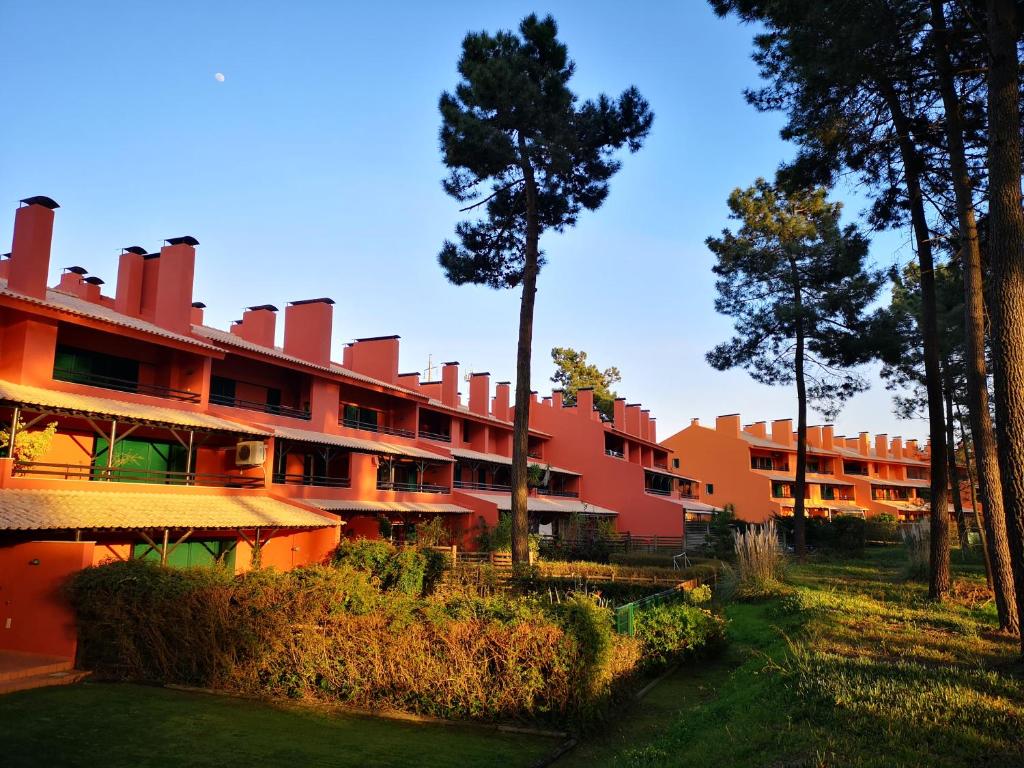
<point>330,633</point>
<point>883,528</point>
<point>671,632</point>
<point>844,535</point>
<point>403,569</point>
<point>758,557</point>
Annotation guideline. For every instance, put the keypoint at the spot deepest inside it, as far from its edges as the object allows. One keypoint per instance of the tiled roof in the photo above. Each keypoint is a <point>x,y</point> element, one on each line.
<point>127,410</point>
<point>762,442</point>
<point>64,302</point>
<point>545,504</point>
<point>60,509</point>
<point>357,505</point>
<point>497,458</point>
<point>234,340</point>
<point>698,506</point>
<point>900,483</point>
<point>785,477</point>
<point>358,444</point>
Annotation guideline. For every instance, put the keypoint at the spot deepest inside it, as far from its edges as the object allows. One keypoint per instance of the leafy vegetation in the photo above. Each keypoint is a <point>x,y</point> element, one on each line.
<point>573,372</point>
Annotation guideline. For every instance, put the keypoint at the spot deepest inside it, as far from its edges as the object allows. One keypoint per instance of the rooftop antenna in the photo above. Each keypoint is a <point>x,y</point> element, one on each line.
<point>429,370</point>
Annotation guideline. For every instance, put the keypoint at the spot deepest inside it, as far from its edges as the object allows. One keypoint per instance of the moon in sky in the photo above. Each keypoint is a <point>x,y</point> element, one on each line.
<point>219,77</point>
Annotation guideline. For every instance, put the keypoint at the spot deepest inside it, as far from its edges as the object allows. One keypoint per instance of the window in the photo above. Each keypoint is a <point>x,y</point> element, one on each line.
<point>222,390</point>
<point>782,490</point>
<point>828,492</point>
<point>761,462</point>
<point>467,430</point>
<point>709,488</point>
<point>675,463</point>
<point>360,418</point>
<point>86,367</point>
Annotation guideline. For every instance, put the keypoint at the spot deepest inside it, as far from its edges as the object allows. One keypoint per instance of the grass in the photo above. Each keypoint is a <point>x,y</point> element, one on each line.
<point>851,665</point>
<point>127,725</point>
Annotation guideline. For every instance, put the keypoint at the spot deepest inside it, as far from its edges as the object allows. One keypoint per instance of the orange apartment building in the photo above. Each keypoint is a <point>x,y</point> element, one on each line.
<point>188,444</point>
<point>753,467</point>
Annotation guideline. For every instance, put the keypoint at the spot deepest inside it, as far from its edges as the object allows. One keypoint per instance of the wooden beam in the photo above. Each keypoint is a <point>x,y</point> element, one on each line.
<point>179,541</point>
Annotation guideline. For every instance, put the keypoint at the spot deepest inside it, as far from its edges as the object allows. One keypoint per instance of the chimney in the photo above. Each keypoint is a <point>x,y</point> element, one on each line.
<point>633,419</point>
<point>376,356</point>
<point>695,422</point>
<point>410,381</point>
<point>863,447</point>
<point>91,290</point>
<point>307,330</point>
<point>814,436</point>
<point>431,389</point>
<point>128,292</point>
<point>30,253</point>
<point>619,414</point>
<point>502,392</point>
<point>757,429</point>
<point>197,310</point>
<point>882,445</point>
<point>479,393</point>
<point>782,432</point>
<point>259,325</point>
<point>450,384</point>
<point>827,437</point>
<point>911,450</point>
<point>173,301</point>
<point>557,398</point>
<point>652,432</point>
<point>897,447</point>
<point>585,401</point>
<point>5,265</point>
<point>728,424</point>
<point>645,424</point>
<point>72,280</point>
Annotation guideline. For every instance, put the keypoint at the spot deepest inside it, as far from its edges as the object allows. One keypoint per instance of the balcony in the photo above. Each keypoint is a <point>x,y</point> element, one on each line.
<point>563,494</point>
<point>435,436</point>
<point>321,481</point>
<point>616,454</point>
<point>468,486</point>
<point>123,385</point>
<point>252,405</point>
<point>658,491</point>
<point>133,475</point>
<point>387,485</point>
<point>370,426</point>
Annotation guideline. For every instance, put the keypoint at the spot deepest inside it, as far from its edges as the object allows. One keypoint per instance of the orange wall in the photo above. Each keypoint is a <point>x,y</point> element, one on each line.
<point>34,618</point>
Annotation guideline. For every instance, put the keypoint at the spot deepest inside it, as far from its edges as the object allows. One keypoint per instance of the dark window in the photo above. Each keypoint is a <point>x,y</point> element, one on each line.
<point>222,390</point>
<point>360,418</point>
<point>828,492</point>
<point>467,430</point>
<point>761,462</point>
<point>675,463</point>
<point>85,367</point>
<point>710,489</point>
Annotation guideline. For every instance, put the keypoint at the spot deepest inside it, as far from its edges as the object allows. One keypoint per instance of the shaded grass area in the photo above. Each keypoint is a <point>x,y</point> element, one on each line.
<point>127,725</point>
<point>850,666</point>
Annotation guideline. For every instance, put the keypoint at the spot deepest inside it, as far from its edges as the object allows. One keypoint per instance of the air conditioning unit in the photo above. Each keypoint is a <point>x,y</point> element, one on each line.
<point>250,453</point>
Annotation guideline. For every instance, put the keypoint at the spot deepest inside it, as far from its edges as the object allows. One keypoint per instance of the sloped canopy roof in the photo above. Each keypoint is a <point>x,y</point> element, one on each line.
<point>497,458</point>
<point>358,444</point>
<point>359,505</point>
<point>545,504</point>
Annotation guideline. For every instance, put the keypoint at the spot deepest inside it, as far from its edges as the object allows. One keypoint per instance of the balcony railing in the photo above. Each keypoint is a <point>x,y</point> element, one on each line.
<point>252,405</point>
<point>658,491</point>
<point>386,485</point>
<point>566,494</point>
<point>369,426</point>
<point>323,481</point>
<point>437,436</point>
<point>467,486</point>
<point>613,452</point>
<point>135,475</point>
<point>124,385</point>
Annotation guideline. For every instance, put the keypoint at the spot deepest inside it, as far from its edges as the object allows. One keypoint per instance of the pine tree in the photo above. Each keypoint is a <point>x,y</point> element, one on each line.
<point>529,157</point>
<point>795,283</point>
<point>574,372</point>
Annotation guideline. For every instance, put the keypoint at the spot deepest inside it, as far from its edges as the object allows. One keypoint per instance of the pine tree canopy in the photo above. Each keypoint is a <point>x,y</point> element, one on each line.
<point>512,118</point>
<point>574,372</point>
<point>790,267</point>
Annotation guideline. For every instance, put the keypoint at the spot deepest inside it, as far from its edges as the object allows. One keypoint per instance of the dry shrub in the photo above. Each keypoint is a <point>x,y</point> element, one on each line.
<point>329,633</point>
<point>758,557</point>
<point>917,539</point>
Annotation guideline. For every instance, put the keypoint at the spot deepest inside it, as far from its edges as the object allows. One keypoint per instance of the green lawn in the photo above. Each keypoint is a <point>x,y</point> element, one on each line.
<point>855,668</point>
<point>113,725</point>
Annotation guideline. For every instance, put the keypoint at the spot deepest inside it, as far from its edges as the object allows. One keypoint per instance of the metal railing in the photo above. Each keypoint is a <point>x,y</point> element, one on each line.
<point>135,475</point>
<point>386,485</point>
<point>298,478</point>
<point>124,385</point>
<point>369,426</point>
<point>252,405</point>
<point>550,492</point>
<point>658,491</point>
<point>468,486</point>
<point>616,454</point>
<point>437,436</point>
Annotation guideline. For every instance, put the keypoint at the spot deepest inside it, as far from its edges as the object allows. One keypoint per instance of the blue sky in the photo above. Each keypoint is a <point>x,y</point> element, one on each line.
<point>314,170</point>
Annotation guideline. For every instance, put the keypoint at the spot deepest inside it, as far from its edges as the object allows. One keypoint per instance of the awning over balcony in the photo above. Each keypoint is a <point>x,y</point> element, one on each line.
<point>73,510</point>
<point>497,458</point>
<point>900,483</point>
<point>667,473</point>
<point>545,504</point>
<point>53,401</point>
<point>812,477</point>
<point>358,444</point>
<point>359,505</point>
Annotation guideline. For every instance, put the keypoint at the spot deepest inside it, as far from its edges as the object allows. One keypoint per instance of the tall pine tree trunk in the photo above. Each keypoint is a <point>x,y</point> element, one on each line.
<point>954,474</point>
<point>939,575</point>
<point>1006,253</point>
<point>997,550</point>
<point>799,512</point>
<point>521,425</point>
